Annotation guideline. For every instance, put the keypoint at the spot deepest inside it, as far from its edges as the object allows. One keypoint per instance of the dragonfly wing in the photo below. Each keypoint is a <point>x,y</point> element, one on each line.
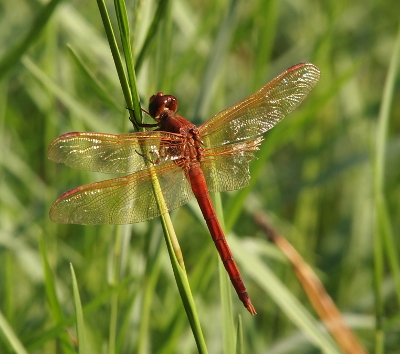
<point>227,167</point>
<point>261,111</point>
<point>123,200</point>
<point>111,153</point>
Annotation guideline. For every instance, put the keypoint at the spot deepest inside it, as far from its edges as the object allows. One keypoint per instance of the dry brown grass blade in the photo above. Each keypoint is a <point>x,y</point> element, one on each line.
<point>319,298</point>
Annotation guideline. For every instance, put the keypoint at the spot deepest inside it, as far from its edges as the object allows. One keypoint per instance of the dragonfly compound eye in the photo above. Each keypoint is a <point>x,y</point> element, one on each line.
<point>159,103</point>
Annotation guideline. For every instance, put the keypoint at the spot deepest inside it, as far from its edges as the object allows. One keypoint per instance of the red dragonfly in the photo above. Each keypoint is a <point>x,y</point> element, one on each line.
<point>186,159</point>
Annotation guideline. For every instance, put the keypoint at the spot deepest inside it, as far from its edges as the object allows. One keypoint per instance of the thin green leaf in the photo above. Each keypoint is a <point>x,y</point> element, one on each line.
<point>102,299</point>
<point>114,272</point>
<point>239,337</point>
<point>11,336</point>
<point>54,304</point>
<point>183,284</point>
<point>122,17</point>
<point>151,275</point>
<point>178,268</point>
<point>80,326</point>
<point>228,327</point>
<point>115,52</point>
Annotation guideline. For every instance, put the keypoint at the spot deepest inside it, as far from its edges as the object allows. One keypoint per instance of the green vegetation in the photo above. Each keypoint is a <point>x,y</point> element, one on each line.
<point>327,177</point>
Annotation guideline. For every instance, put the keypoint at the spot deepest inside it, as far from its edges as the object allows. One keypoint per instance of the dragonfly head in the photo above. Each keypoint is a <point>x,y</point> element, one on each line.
<point>160,102</point>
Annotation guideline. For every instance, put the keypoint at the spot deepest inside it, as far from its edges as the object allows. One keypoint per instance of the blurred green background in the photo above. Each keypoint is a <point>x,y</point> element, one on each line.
<point>327,176</point>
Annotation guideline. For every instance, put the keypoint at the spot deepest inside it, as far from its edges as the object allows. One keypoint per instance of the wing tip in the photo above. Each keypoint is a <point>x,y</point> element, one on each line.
<point>55,144</point>
<point>311,68</point>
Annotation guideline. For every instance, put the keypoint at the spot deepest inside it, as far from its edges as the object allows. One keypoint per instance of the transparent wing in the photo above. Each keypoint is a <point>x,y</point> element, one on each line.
<point>227,167</point>
<point>261,111</point>
<point>122,200</point>
<point>110,153</point>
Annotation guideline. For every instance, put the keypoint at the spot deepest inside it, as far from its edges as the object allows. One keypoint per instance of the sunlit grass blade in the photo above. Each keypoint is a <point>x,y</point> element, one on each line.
<point>239,337</point>
<point>80,326</point>
<point>151,275</point>
<point>124,30</point>
<point>115,53</point>
<point>11,336</point>
<point>228,328</point>
<point>114,273</point>
<point>89,309</point>
<point>178,266</point>
<point>163,43</point>
<point>183,285</point>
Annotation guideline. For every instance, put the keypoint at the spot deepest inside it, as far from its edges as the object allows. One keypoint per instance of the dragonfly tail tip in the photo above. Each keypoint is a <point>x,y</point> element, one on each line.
<point>251,309</point>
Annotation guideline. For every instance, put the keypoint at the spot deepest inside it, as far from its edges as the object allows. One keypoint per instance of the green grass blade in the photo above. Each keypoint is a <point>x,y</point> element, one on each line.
<point>54,304</point>
<point>122,17</point>
<point>80,326</point>
<point>114,272</point>
<point>10,336</point>
<point>100,301</point>
<point>153,268</point>
<point>239,337</point>
<point>183,284</point>
<point>228,327</point>
<point>115,52</point>
<point>178,267</point>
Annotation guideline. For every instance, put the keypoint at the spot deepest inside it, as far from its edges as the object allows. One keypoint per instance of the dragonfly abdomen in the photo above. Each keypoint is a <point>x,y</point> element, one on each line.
<point>198,183</point>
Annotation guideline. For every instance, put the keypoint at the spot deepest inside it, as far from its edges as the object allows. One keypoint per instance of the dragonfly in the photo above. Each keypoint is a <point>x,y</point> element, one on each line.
<point>187,161</point>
